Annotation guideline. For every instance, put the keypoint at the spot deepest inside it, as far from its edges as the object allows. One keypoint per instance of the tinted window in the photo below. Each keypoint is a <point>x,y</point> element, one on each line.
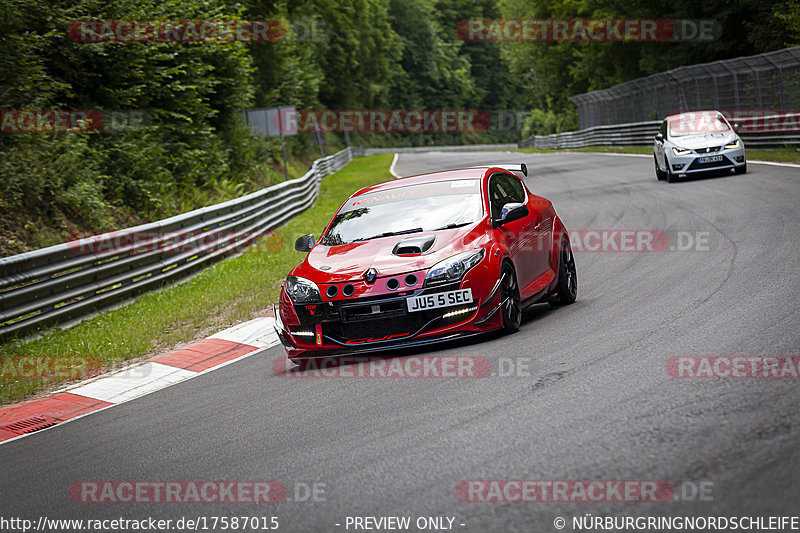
<point>426,207</point>
<point>697,123</point>
<point>504,189</point>
<point>517,192</point>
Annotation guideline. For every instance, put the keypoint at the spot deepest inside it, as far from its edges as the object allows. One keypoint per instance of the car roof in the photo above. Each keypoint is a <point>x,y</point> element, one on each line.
<point>431,177</point>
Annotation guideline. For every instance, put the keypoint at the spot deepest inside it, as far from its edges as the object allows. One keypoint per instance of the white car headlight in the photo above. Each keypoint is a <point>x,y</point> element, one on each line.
<point>453,268</point>
<point>302,290</point>
<point>680,151</point>
<point>734,144</point>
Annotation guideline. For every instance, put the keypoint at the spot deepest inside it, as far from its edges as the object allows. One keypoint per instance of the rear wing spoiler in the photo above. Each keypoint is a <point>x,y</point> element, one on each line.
<point>522,167</point>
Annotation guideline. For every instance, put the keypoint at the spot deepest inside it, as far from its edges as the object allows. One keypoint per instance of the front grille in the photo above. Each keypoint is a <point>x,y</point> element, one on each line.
<point>378,328</point>
<point>714,164</point>
<point>709,150</point>
<point>356,313</point>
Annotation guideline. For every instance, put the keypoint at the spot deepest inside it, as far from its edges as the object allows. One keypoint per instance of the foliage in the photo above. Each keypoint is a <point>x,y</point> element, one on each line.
<point>192,147</point>
<point>236,289</point>
<point>557,70</point>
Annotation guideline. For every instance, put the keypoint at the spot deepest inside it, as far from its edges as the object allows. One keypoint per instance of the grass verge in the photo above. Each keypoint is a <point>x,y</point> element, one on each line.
<point>235,289</point>
<point>782,155</point>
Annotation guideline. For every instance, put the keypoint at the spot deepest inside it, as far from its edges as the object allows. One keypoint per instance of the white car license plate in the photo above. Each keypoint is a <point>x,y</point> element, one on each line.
<point>709,159</point>
<point>440,299</point>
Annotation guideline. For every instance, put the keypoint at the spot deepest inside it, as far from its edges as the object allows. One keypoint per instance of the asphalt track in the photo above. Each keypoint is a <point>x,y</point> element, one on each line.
<point>596,401</point>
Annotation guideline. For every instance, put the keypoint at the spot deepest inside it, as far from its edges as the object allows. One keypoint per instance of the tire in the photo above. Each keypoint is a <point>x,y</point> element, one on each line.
<point>567,287</point>
<point>510,304</point>
<point>659,173</point>
<point>741,170</point>
<point>671,178</point>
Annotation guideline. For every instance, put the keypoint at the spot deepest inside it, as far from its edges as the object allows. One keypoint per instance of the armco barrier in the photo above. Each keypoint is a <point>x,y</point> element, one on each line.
<point>642,133</point>
<point>443,148</point>
<point>63,282</point>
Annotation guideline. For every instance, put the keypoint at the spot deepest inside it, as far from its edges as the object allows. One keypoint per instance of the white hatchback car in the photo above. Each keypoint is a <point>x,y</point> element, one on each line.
<point>695,142</point>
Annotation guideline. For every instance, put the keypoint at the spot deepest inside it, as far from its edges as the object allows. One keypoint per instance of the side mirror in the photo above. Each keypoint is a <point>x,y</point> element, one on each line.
<point>304,243</point>
<point>511,212</point>
<point>736,128</point>
<point>659,137</point>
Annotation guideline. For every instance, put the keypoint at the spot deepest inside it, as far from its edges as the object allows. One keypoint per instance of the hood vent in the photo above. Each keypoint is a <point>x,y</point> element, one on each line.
<point>414,245</point>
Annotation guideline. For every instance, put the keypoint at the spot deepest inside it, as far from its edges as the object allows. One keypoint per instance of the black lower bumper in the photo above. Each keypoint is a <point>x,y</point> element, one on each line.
<point>390,346</point>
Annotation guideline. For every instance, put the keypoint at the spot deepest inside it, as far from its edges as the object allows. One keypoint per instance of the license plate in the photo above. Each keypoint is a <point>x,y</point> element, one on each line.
<point>709,159</point>
<point>440,299</point>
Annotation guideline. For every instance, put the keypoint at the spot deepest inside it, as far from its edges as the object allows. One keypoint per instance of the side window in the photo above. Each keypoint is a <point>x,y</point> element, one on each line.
<point>498,194</point>
<point>664,129</point>
<point>504,189</point>
<point>517,193</point>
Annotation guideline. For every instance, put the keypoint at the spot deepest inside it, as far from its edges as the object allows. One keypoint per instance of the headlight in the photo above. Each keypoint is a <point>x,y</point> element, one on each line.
<point>734,144</point>
<point>454,268</point>
<point>680,151</point>
<point>301,290</point>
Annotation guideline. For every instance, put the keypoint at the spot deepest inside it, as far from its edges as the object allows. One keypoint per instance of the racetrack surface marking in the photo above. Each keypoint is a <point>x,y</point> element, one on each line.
<point>212,353</point>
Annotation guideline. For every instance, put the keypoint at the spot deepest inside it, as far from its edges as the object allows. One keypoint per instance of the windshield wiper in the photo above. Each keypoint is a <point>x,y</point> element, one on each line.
<point>453,225</point>
<point>389,234</point>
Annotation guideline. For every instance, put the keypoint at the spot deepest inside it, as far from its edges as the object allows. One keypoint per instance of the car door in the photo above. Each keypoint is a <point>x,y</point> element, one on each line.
<point>540,227</point>
<point>519,236</point>
<point>658,147</point>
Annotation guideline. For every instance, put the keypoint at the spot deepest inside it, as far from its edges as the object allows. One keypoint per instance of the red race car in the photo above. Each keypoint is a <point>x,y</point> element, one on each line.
<point>426,259</point>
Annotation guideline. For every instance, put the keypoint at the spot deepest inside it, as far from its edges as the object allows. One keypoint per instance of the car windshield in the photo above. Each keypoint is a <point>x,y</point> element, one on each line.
<point>404,210</point>
<point>697,124</point>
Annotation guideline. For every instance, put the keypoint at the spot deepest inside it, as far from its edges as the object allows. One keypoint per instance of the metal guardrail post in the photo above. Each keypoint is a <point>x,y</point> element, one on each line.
<point>779,68</point>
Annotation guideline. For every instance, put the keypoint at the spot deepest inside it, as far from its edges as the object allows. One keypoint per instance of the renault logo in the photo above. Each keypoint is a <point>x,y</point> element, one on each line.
<point>370,275</point>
